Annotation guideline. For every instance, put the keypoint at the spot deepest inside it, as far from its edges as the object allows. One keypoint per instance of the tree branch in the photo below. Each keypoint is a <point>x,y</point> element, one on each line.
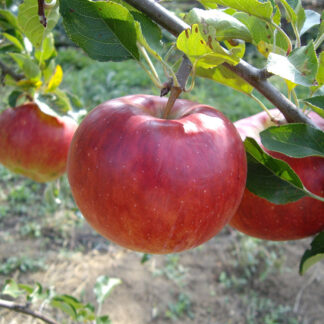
<point>255,77</point>
<point>7,70</point>
<point>25,310</point>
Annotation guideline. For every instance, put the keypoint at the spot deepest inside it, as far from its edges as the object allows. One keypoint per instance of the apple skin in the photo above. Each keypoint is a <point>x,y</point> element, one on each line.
<point>33,143</point>
<point>262,219</point>
<point>156,185</point>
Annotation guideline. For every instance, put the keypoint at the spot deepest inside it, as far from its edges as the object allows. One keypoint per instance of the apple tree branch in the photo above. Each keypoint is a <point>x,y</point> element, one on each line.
<point>255,77</point>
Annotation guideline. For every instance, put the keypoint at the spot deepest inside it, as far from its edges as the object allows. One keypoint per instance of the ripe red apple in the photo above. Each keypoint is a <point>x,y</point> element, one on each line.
<point>156,185</point>
<point>33,143</point>
<point>262,219</point>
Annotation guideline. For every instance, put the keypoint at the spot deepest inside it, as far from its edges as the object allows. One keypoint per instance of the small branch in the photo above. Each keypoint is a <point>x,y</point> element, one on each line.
<point>175,93</point>
<point>41,12</point>
<point>25,310</point>
<point>255,77</point>
<point>7,70</point>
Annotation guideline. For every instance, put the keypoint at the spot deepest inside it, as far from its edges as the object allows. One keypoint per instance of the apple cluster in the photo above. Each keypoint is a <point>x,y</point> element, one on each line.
<point>155,184</point>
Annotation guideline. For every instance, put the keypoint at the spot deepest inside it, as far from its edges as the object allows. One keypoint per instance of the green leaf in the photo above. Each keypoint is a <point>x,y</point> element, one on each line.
<point>227,27</point>
<point>262,33</point>
<point>312,255</point>
<point>15,41</point>
<point>150,31</point>
<point>320,71</point>
<point>104,30</point>
<point>12,289</point>
<point>27,65</point>
<point>223,75</point>
<point>28,20</point>
<point>261,9</point>
<point>199,44</point>
<point>299,67</point>
<point>271,178</point>
<point>47,50</point>
<point>13,97</point>
<point>291,16</point>
<point>146,257</point>
<point>10,18</point>
<point>103,320</point>
<point>313,18</point>
<point>104,286</point>
<point>295,140</point>
<point>64,306</point>
<point>208,4</point>
<point>316,104</point>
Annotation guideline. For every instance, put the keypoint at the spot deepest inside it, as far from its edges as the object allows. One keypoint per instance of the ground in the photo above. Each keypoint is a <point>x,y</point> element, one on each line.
<point>230,279</point>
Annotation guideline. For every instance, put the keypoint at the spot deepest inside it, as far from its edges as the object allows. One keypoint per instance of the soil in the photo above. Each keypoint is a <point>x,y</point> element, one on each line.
<point>232,279</point>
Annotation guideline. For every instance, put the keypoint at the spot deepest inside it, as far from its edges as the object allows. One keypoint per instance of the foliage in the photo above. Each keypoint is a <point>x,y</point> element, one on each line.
<point>71,306</point>
<point>208,43</point>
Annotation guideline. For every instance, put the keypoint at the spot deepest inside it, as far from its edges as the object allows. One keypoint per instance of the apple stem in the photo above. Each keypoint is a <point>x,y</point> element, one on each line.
<point>175,93</point>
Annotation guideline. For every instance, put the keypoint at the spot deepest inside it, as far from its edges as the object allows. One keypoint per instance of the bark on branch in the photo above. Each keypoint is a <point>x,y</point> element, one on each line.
<point>256,77</point>
<point>7,70</point>
<point>25,310</point>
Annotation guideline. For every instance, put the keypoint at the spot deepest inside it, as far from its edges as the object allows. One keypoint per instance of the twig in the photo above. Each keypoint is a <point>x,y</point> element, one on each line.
<point>255,77</point>
<point>41,12</point>
<point>25,310</point>
<point>7,70</point>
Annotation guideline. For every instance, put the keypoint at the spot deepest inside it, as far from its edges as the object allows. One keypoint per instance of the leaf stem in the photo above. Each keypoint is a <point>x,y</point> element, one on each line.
<point>148,61</point>
<point>284,34</point>
<point>318,42</point>
<point>262,105</point>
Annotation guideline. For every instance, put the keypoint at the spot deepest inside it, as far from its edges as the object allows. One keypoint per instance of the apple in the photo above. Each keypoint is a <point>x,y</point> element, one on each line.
<point>260,218</point>
<point>152,184</point>
<point>33,143</point>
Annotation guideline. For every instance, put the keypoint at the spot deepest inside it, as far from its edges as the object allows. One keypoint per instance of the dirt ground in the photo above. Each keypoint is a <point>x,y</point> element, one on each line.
<point>231,279</point>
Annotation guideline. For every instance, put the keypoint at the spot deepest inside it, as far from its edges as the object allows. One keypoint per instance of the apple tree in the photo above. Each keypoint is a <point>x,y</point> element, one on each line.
<point>285,163</point>
<point>284,148</point>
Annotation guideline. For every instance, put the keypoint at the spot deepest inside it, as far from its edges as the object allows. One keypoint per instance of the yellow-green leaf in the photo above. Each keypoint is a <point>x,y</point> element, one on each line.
<point>56,79</point>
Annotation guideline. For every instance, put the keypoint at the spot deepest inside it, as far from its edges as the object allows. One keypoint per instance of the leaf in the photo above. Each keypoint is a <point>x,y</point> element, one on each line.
<point>261,9</point>
<point>294,140</point>
<point>27,65</point>
<point>103,320</point>
<point>10,18</point>
<point>104,30</point>
<point>64,306</point>
<point>28,20</point>
<point>263,33</point>
<point>199,44</point>
<point>13,97</point>
<point>316,104</point>
<point>320,71</point>
<point>299,67</point>
<point>208,4</point>
<point>56,79</point>
<point>104,286</point>
<point>150,31</point>
<point>12,289</point>
<point>47,50</point>
<point>15,41</point>
<point>146,257</point>
<point>223,75</point>
<point>271,178</point>
<point>312,19</point>
<point>226,26</point>
<point>312,255</point>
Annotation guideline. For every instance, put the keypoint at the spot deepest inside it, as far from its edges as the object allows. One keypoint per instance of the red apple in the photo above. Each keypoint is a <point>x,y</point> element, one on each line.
<point>33,143</point>
<point>262,219</point>
<point>156,185</point>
